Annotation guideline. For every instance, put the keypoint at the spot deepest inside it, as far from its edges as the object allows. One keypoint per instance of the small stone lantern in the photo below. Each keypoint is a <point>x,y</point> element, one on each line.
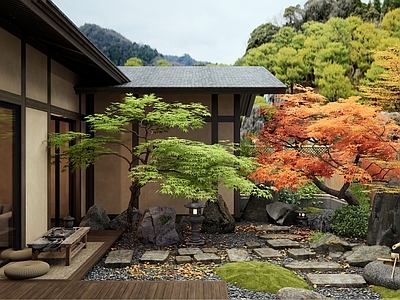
<point>69,221</point>
<point>195,218</point>
<point>301,217</point>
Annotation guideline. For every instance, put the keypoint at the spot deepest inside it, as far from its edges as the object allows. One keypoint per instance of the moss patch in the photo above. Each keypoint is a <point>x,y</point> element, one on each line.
<point>386,293</point>
<point>260,276</point>
<point>313,210</point>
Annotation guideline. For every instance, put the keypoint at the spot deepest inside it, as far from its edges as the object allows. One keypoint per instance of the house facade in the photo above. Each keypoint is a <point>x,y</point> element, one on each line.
<point>51,76</point>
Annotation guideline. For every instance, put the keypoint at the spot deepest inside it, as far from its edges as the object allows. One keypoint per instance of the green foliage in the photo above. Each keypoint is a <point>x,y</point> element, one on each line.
<point>247,147</point>
<point>134,61</point>
<point>163,63</point>
<point>261,35</point>
<point>316,235</point>
<point>193,169</point>
<point>307,191</point>
<point>386,293</point>
<point>260,276</point>
<point>361,193</point>
<point>351,221</point>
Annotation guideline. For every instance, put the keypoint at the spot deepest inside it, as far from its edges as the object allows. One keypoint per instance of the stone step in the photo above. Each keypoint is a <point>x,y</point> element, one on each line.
<point>236,254</point>
<point>272,228</point>
<point>336,280</point>
<point>266,253</point>
<point>119,259</point>
<point>207,258</point>
<point>253,245</point>
<point>300,253</point>
<point>308,266</point>
<point>283,244</point>
<point>154,256</point>
<point>273,236</point>
<point>189,251</point>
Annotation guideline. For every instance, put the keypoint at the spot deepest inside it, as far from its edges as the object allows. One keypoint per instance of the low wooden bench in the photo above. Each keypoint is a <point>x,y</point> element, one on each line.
<point>69,247</point>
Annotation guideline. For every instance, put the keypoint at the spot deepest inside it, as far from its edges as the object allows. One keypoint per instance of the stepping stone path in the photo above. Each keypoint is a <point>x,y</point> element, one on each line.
<point>267,253</point>
<point>283,244</point>
<point>276,238</point>
<point>272,236</point>
<point>313,266</point>
<point>300,253</point>
<point>119,259</point>
<point>336,280</point>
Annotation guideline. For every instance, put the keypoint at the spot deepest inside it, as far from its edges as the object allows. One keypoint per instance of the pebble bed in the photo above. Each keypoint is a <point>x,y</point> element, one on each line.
<point>244,232</point>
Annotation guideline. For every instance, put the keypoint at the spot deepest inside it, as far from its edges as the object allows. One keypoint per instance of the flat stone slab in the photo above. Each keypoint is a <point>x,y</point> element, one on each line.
<point>273,236</point>
<point>189,251</point>
<point>336,280</point>
<point>300,253</point>
<point>210,250</point>
<point>183,259</point>
<point>119,259</point>
<point>155,256</point>
<point>283,244</point>
<point>207,258</point>
<point>253,245</point>
<point>266,253</point>
<point>238,255</point>
<point>313,266</point>
<point>271,228</point>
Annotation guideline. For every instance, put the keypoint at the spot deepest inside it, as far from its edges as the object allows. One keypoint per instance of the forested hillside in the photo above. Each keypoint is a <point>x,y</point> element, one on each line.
<point>119,49</point>
<point>328,44</point>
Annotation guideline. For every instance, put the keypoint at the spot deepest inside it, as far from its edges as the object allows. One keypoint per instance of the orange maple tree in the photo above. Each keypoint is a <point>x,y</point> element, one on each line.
<point>307,139</point>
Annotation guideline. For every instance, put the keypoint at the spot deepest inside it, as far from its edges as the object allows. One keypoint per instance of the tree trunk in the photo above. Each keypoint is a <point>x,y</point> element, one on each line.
<point>133,202</point>
<point>343,193</point>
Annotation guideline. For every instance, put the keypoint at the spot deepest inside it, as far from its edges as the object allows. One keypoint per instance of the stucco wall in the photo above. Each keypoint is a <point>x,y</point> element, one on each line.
<point>62,88</point>
<point>36,75</point>
<point>36,170</point>
<point>10,63</point>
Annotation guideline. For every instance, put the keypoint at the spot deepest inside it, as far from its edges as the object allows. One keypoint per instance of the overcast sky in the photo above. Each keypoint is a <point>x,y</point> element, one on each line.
<point>207,30</point>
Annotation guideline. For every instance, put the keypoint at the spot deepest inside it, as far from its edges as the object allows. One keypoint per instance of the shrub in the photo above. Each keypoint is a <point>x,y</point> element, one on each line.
<point>316,235</point>
<point>351,221</point>
<point>361,193</point>
<point>307,191</point>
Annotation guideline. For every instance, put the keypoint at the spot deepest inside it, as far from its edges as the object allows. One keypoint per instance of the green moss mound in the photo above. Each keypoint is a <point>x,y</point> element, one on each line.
<point>260,276</point>
<point>386,293</point>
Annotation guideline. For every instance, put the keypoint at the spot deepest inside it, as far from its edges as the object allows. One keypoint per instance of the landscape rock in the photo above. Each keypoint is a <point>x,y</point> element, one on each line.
<point>360,256</point>
<point>322,221</point>
<point>217,218</point>
<point>378,273</point>
<point>288,293</point>
<point>282,213</point>
<point>254,211</point>
<point>157,226</point>
<point>96,218</point>
<point>330,243</point>
<point>119,222</point>
<point>385,215</point>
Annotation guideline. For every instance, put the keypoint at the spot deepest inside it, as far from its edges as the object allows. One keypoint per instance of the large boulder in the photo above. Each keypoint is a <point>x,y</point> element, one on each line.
<point>157,226</point>
<point>321,221</point>
<point>217,217</point>
<point>282,213</point>
<point>384,222</point>
<point>379,273</point>
<point>330,243</point>
<point>119,222</point>
<point>362,255</point>
<point>96,218</point>
<point>289,293</point>
<point>254,210</point>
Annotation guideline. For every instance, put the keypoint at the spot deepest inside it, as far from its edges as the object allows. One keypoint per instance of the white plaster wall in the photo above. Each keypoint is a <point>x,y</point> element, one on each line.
<point>62,87</point>
<point>36,170</point>
<point>36,75</point>
<point>10,63</point>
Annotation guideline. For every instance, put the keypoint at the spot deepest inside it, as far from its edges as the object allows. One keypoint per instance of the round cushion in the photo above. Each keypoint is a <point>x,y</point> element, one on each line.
<point>6,253</point>
<point>26,269</point>
<point>17,255</point>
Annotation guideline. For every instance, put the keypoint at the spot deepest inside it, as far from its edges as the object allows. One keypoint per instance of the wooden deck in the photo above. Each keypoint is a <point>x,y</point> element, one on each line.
<point>74,288</point>
<point>53,289</point>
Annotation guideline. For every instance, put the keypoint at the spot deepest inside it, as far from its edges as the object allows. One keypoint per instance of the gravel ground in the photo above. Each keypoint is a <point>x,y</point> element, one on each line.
<point>170,271</point>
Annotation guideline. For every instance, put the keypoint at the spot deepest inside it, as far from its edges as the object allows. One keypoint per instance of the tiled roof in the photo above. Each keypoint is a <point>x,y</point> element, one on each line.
<point>256,80</point>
